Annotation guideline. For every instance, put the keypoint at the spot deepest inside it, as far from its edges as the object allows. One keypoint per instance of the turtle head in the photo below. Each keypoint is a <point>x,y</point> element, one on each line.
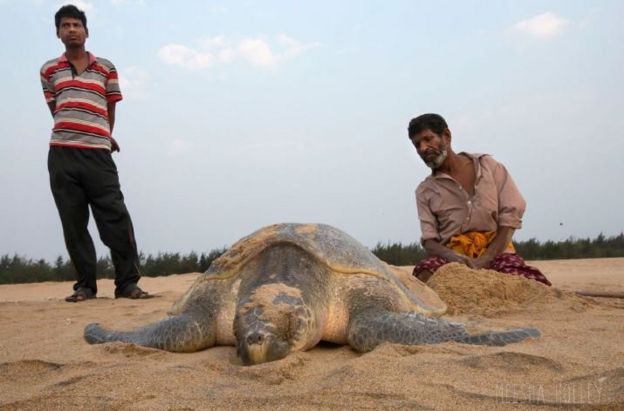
<point>261,343</point>
<point>269,332</point>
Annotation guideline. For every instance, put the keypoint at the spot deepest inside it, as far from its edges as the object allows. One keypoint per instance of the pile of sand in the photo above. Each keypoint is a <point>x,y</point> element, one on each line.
<point>490,293</point>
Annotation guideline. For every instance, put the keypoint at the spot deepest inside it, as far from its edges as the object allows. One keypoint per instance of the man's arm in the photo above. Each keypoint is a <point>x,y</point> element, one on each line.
<point>111,122</point>
<point>52,107</point>
<point>434,248</point>
<point>511,204</point>
<point>497,246</point>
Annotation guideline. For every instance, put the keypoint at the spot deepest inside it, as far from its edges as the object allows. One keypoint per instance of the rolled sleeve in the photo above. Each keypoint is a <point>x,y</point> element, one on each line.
<point>113,92</point>
<point>48,90</point>
<point>511,204</point>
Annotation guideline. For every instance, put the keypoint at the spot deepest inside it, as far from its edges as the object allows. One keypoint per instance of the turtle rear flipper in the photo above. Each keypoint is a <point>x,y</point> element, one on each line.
<point>372,327</point>
<point>180,333</point>
<point>500,338</point>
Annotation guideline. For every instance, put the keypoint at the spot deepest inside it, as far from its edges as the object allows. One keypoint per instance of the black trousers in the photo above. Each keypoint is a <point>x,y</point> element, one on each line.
<point>80,178</point>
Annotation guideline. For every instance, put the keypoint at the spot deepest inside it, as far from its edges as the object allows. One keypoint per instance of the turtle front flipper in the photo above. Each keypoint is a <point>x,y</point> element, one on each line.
<point>369,328</point>
<point>180,333</point>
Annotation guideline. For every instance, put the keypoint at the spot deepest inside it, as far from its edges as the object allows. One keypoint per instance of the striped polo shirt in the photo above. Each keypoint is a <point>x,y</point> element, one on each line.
<point>81,114</point>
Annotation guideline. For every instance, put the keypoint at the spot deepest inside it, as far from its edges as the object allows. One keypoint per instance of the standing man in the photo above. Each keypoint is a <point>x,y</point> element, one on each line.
<point>469,207</point>
<point>81,91</point>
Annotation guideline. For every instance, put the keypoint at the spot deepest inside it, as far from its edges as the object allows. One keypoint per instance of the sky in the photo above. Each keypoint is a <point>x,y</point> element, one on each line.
<point>240,114</point>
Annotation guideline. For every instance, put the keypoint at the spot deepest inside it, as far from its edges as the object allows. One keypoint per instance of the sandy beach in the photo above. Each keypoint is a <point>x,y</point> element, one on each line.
<point>578,363</point>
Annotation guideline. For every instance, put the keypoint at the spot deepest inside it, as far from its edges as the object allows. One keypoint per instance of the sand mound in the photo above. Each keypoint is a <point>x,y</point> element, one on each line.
<point>490,293</point>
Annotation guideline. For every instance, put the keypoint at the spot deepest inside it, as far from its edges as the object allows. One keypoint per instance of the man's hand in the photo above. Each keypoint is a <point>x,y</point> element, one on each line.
<point>474,263</point>
<point>114,145</point>
<point>482,262</point>
<point>435,248</point>
<point>498,245</point>
<point>454,257</point>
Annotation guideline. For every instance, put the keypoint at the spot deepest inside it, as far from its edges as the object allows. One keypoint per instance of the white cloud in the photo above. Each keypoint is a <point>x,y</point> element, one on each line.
<point>216,42</point>
<point>226,55</point>
<point>257,52</point>
<point>177,54</point>
<point>543,26</point>
<point>219,49</point>
<point>294,47</point>
<point>134,82</point>
<point>219,46</point>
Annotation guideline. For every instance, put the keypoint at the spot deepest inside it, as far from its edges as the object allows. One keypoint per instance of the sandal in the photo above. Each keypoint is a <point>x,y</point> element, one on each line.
<point>79,295</point>
<point>134,293</point>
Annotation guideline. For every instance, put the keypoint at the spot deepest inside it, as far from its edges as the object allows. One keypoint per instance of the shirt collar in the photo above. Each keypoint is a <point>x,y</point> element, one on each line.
<point>475,157</point>
<point>63,58</point>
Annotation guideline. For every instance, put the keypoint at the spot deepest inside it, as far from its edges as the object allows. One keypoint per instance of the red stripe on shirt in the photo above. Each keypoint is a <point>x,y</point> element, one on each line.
<point>81,85</point>
<point>113,97</point>
<point>85,106</point>
<point>102,70</point>
<point>68,125</point>
<point>77,145</point>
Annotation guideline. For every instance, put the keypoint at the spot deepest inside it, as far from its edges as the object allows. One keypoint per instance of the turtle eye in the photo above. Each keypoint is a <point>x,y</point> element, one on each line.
<point>295,323</point>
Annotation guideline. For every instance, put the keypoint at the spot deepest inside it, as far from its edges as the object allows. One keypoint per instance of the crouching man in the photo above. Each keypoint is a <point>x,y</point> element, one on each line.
<point>469,207</point>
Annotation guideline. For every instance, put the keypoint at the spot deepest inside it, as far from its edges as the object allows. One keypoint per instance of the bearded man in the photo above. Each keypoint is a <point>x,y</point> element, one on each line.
<point>469,207</point>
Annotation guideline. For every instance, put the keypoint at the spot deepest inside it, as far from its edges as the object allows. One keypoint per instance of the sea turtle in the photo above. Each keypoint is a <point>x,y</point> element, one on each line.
<point>286,287</point>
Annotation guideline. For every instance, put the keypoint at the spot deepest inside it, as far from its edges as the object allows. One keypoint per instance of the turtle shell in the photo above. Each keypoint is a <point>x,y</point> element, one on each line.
<point>343,254</point>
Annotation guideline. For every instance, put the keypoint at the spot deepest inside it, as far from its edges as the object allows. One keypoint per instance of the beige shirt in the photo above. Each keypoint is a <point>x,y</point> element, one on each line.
<point>446,209</point>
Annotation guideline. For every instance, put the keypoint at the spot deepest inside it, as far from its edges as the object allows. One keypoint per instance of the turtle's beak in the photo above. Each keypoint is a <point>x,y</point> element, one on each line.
<point>258,347</point>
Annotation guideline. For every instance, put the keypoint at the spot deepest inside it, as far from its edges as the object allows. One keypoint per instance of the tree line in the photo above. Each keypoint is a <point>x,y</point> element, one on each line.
<point>599,247</point>
<point>18,269</point>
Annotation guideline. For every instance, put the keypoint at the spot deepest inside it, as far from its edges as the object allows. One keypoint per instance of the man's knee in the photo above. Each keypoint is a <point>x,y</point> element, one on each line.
<point>424,275</point>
